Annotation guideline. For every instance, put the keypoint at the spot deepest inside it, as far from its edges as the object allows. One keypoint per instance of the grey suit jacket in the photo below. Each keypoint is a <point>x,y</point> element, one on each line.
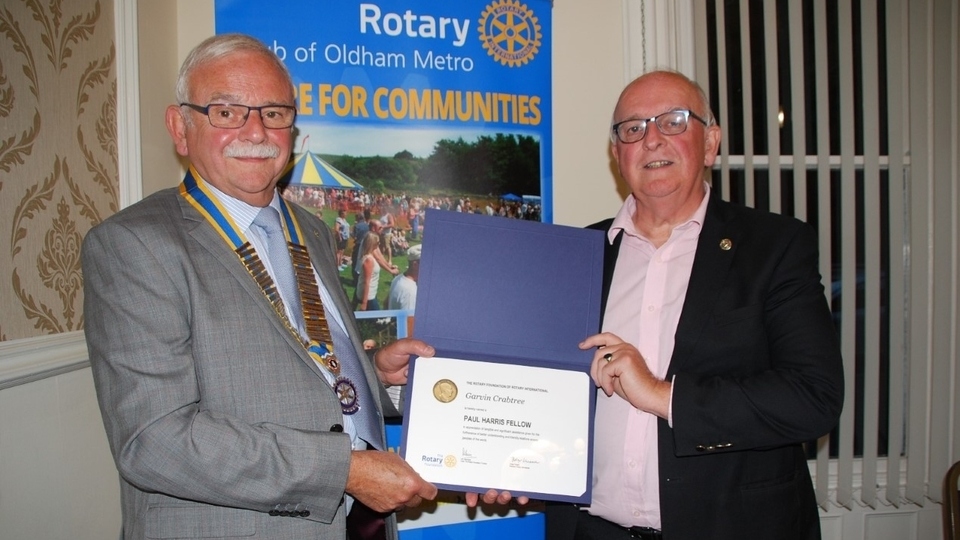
<point>215,414</point>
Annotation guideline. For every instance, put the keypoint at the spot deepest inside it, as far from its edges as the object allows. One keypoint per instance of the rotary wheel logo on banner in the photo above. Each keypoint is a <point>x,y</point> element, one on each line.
<point>510,32</point>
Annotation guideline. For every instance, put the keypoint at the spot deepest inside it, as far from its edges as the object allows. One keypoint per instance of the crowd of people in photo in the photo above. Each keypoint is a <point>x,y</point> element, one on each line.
<point>384,225</point>
<point>408,209</point>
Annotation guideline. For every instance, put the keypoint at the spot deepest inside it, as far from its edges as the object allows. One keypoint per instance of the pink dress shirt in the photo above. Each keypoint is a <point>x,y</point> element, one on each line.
<point>643,308</point>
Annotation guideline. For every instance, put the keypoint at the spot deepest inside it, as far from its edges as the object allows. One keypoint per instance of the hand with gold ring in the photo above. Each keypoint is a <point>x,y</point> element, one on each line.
<point>619,368</point>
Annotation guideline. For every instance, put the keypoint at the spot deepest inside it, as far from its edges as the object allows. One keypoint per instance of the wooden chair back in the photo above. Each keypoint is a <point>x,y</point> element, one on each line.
<point>951,503</point>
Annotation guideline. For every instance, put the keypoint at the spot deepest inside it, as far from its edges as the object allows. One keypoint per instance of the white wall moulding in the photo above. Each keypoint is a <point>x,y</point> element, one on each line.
<point>26,360</point>
<point>128,103</point>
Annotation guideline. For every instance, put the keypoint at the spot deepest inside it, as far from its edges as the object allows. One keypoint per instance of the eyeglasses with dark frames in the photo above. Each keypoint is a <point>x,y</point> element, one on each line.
<point>234,116</point>
<point>669,123</point>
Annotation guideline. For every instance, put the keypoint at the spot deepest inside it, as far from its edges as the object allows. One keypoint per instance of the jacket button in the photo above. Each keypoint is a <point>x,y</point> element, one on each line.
<point>274,512</point>
<point>336,428</point>
<point>700,448</point>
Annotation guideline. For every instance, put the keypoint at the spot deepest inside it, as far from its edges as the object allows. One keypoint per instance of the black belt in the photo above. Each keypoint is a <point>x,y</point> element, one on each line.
<point>645,533</point>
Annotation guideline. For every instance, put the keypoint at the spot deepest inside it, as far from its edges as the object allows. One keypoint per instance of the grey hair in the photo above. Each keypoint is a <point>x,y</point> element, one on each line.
<point>219,46</point>
<point>705,103</point>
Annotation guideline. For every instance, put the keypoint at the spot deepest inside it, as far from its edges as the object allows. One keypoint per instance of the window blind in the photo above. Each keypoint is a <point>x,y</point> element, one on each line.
<point>868,151</point>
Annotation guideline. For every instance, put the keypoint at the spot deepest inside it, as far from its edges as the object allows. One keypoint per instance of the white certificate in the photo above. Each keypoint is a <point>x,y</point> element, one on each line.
<point>475,425</point>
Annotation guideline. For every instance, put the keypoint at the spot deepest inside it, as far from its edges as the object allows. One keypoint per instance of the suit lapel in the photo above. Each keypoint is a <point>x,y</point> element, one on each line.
<point>711,264</point>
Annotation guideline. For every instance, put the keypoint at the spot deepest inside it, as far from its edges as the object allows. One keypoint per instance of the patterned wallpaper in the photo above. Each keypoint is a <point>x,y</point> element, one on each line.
<point>58,156</point>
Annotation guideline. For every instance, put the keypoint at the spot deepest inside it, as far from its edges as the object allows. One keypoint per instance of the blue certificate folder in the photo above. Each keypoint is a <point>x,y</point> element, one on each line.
<point>502,290</point>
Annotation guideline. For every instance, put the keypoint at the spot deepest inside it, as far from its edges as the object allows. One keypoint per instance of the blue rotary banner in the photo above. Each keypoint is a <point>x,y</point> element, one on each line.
<point>405,105</point>
<point>421,79</point>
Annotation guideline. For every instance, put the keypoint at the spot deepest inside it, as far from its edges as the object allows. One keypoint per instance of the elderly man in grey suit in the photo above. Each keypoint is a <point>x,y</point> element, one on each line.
<point>236,394</point>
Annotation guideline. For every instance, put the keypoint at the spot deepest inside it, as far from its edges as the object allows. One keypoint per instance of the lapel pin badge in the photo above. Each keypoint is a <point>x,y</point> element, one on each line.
<point>726,244</point>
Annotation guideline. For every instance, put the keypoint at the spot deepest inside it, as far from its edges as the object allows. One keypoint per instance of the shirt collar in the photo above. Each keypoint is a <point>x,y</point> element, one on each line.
<point>623,221</point>
<point>242,213</point>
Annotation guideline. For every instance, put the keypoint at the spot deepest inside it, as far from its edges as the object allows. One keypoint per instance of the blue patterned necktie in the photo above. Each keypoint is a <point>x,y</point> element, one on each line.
<point>268,221</point>
<point>367,420</point>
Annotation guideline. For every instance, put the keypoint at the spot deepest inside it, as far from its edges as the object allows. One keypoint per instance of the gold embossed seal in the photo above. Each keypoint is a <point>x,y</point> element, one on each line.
<point>445,390</point>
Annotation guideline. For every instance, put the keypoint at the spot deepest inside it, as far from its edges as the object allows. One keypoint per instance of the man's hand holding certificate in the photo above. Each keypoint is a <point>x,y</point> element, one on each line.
<point>507,402</point>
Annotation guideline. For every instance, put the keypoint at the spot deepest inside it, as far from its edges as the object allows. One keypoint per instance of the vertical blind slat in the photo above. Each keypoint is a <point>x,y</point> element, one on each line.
<point>896,95</point>
<point>746,78</point>
<point>920,293</point>
<point>848,264</point>
<point>872,254</point>
<point>797,116</point>
<point>823,180</point>
<point>722,100</point>
<point>701,50</point>
<point>772,71</point>
<point>943,186</point>
<point>954,116</point>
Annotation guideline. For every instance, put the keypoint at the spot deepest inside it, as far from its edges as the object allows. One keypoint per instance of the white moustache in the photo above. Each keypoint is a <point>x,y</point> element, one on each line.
<point>247,150</point>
